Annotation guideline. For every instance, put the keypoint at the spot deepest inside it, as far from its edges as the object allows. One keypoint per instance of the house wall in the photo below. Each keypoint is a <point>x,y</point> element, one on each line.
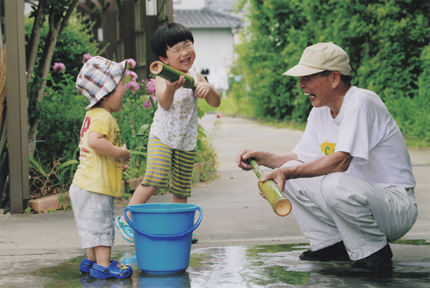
<point>214,47</point>
<point>189,4</point>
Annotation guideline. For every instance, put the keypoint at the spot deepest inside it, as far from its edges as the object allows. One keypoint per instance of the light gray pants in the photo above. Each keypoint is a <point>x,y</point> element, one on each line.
<point>341,207</point>
<point>94,217</point>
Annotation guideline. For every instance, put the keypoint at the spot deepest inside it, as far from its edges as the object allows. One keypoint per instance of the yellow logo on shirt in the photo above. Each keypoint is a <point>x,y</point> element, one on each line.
<point>327,148</point>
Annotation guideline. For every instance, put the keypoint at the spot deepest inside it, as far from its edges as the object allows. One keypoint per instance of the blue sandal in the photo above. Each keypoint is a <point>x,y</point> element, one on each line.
<point>194,239</point>
<point>114,270</point>
<point>86,265</point>
<point>125,230</point>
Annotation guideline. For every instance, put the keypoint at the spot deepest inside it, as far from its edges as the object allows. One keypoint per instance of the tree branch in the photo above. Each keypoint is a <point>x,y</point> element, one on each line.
<point>33,43</point>
<point>72,6</point>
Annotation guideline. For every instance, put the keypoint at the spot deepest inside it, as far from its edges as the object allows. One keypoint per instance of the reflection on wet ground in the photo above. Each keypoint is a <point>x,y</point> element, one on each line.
<point>248,266</point>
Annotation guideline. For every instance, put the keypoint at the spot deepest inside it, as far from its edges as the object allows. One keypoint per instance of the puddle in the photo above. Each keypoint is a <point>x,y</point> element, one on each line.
<point>411,242</point>
<point>246,266</point>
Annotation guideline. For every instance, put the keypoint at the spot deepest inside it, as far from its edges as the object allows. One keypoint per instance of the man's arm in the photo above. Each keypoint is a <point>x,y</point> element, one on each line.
<point>263,158</point>
<point>336,162</point>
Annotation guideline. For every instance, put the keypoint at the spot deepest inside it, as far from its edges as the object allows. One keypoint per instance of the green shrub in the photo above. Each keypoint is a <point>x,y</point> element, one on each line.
<point>134,122</point>
<point>206,155</point>
<point>63,110</point>
<point>75,41</point>
<point>387,42</point>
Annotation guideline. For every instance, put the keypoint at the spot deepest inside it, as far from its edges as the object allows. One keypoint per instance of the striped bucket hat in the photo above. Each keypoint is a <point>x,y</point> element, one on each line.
<point>98,77</point>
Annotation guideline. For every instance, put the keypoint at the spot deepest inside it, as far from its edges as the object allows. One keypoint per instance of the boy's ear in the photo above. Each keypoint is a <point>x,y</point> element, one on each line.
<point>164,60</point>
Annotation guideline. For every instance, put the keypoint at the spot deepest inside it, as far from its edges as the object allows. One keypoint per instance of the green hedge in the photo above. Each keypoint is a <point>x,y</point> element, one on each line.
<point>387,41</point>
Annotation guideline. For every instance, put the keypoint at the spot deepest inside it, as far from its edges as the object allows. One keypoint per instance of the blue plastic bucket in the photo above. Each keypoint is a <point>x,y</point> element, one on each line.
<point>162,235</point>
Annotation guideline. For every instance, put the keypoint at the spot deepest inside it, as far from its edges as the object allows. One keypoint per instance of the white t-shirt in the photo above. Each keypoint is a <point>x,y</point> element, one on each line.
<point>177,126</point>
<point>365,129</point>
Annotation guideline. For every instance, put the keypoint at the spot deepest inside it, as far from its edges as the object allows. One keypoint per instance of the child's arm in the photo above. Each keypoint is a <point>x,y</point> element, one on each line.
<point>166,90</point>
<point>206,91</point>
<point>98,142</point>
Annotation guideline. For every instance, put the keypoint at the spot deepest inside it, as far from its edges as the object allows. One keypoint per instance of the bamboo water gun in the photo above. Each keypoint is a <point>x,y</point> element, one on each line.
<point>270,190</point>
<point>165,71</point>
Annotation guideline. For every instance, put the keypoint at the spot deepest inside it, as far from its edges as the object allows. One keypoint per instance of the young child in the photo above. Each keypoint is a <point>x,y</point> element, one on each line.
<point>102,159</point>
<point>173,135</point>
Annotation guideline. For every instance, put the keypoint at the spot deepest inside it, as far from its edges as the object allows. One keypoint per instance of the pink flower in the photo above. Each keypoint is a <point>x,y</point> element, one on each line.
<point>58,67</point>
<point>132,74</point>
<point>148,103</point>
<point>133,85</point>
<point>150,86</point>
<point>86,57</point>
<point>131,62</point>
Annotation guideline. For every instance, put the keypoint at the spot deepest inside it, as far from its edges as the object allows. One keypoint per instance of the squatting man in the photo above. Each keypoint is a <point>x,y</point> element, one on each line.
<point>349,179</point>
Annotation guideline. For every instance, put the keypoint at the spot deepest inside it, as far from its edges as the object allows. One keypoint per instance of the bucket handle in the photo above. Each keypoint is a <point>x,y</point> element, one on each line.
<point>165,236</point>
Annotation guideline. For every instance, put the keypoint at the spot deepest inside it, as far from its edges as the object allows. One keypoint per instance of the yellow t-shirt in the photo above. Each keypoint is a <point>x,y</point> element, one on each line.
<point>96,172</point>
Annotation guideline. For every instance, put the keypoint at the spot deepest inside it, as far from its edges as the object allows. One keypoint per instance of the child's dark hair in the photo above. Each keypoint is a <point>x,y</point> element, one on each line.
<point>169,35</point>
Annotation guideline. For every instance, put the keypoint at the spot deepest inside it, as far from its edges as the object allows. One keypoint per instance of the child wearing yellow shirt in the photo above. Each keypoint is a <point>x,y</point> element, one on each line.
<point>102,159</point>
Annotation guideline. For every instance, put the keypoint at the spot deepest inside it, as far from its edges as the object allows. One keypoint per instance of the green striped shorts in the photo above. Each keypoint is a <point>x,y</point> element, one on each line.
<point>163,162</point>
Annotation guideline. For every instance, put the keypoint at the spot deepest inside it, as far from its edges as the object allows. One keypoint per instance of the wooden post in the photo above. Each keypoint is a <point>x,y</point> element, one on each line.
<point>109,26</point>
<point>127,30</point>
<point>17,123</point>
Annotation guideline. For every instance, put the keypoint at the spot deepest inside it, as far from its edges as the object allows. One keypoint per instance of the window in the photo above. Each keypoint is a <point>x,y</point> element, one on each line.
<point>151,8</point>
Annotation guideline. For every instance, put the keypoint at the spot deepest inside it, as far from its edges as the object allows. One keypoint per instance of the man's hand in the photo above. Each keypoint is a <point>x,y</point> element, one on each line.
<point>279,175</point>
<point>243,156</point>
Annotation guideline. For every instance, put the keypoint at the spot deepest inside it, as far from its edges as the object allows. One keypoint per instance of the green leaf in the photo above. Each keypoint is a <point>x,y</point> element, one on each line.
<point>67,163</point>
<point>35,165</point>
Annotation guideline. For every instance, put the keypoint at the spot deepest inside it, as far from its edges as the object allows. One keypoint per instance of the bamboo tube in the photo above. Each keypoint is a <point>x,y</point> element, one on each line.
<point>271,191</point>
<point>165,71</point>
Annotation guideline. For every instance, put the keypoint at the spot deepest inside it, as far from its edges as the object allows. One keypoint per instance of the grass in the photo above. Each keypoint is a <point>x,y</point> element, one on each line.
<point>230,106</point>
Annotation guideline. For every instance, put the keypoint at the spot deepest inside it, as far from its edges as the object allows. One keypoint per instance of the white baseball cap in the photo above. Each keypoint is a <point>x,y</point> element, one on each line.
<point>321,57</point>
<point>98,77</point>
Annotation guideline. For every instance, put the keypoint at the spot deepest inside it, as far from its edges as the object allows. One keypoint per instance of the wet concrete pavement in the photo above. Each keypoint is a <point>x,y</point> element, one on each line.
<point>242,242</point>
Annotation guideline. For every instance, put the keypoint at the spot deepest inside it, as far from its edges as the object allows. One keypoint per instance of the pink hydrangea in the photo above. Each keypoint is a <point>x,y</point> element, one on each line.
<point>150,86</point>
<point>86,57</point>
<point>132,74</point>
<point>58,67</point>
<point>133,85</point>
<point>131,62</point>
<point>148,103</point>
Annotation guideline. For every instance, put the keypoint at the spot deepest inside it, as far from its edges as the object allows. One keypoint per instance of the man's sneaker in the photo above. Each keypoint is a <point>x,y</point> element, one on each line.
<point>125,229</point>
<point>376,262</point>
<point>85,265</point>
<point>335,252</point>
<point>114,270</point>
